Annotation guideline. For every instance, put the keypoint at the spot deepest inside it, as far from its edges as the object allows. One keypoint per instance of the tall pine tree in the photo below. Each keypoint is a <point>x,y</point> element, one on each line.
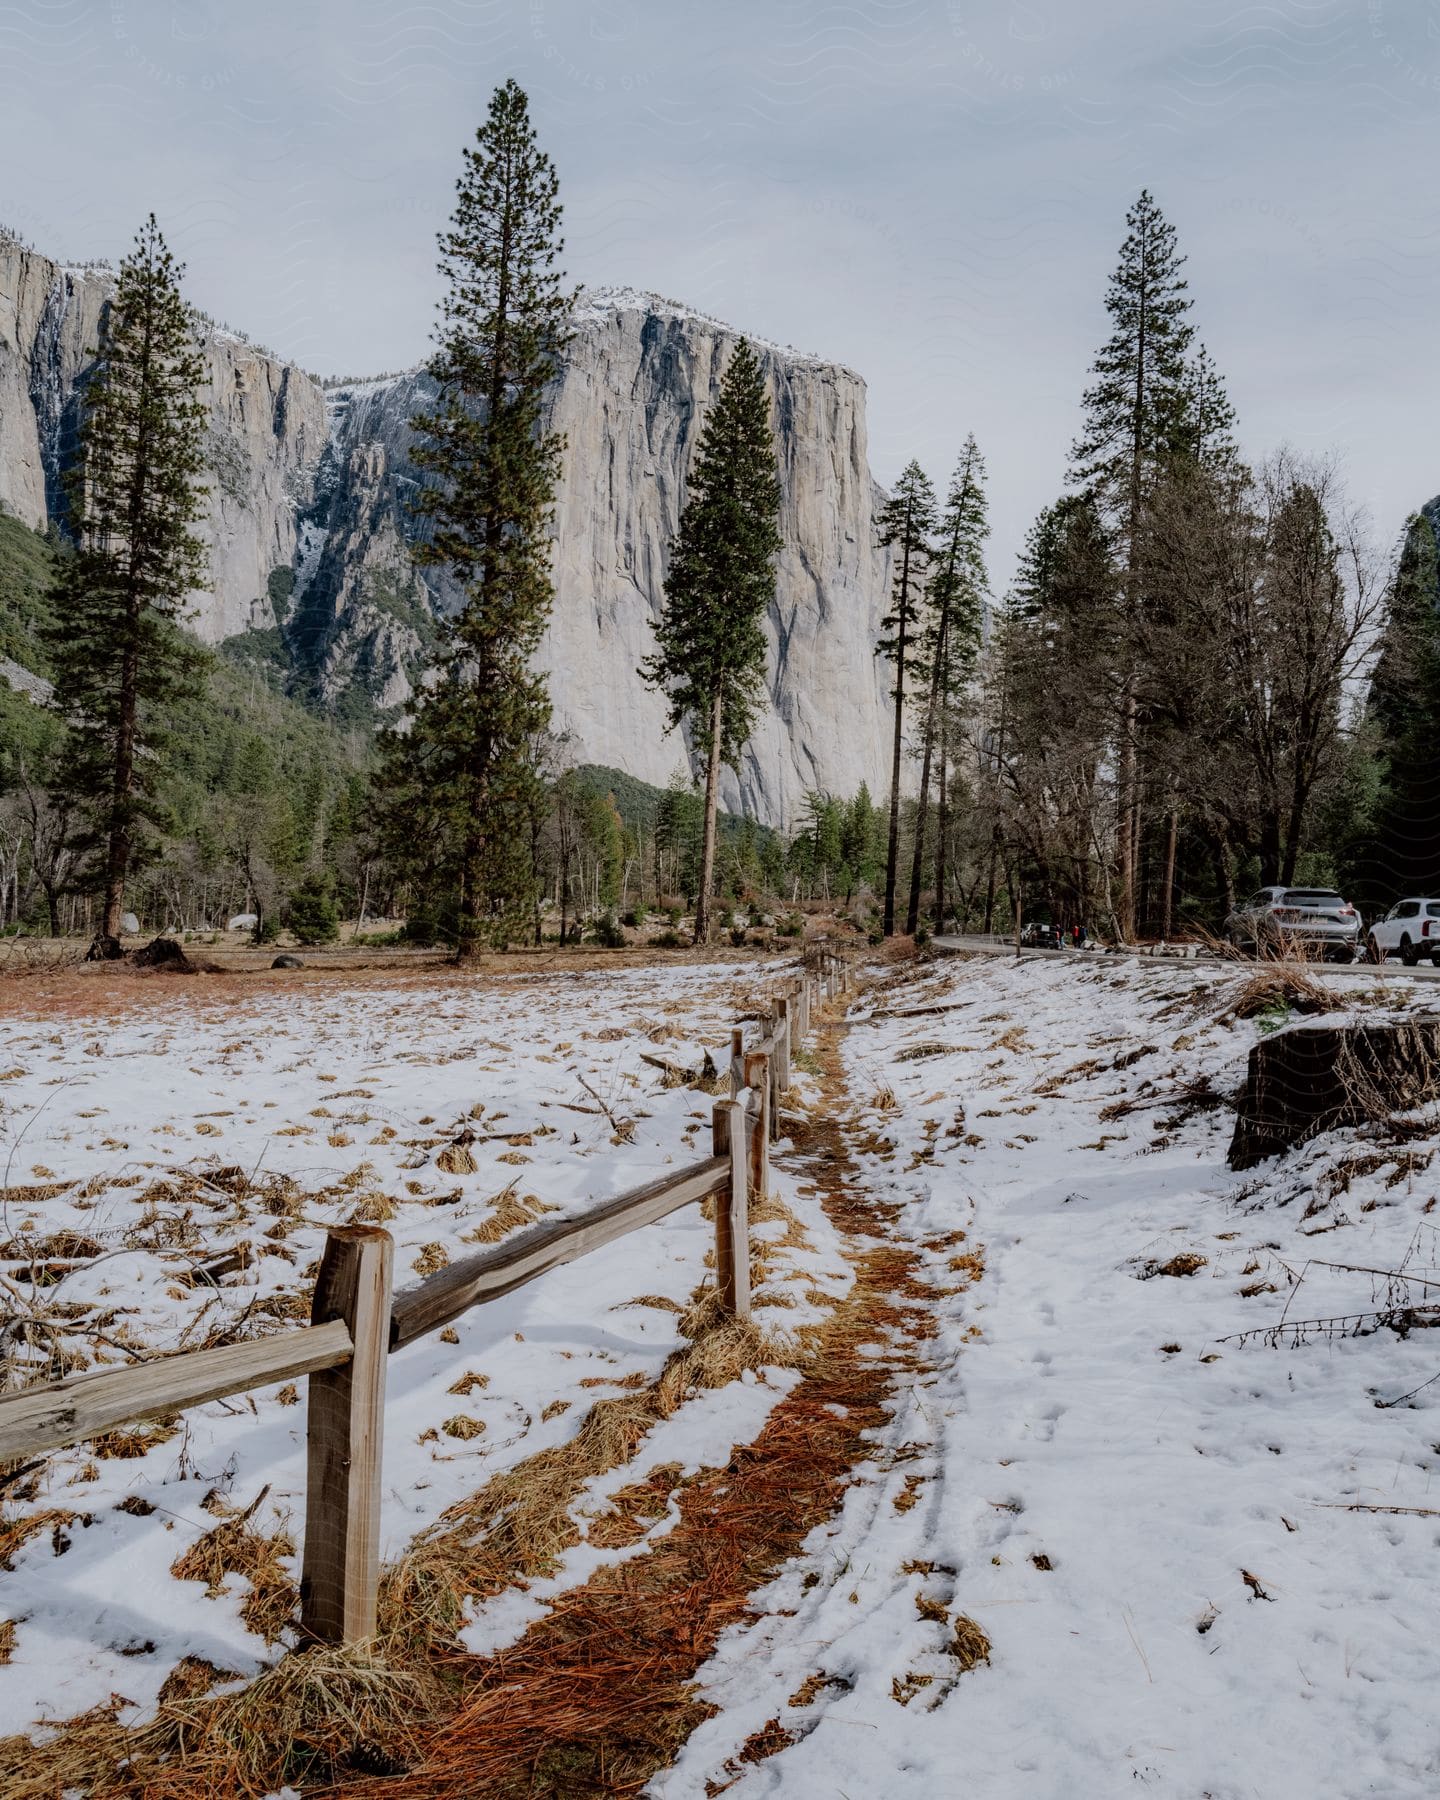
<point>904,525</point>
<point>120,662</point>
<point>710,636</point>
<point>459,786</point>
<point>1404,710</point>
<point>1150,401</point>
<point>951,645</point>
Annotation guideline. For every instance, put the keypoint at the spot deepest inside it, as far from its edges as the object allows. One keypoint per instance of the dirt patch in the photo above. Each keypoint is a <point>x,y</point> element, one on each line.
<point>233,977</point>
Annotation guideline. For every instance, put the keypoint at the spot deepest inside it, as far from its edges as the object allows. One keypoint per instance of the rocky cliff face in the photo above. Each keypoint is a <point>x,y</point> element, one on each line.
<point>267,431</point>
<point>308,523</point>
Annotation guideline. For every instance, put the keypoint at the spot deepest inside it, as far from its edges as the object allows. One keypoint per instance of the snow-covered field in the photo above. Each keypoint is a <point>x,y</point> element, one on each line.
<point>194,1120</point>
<point>1207,1567</point>
<point>1202,1551</point>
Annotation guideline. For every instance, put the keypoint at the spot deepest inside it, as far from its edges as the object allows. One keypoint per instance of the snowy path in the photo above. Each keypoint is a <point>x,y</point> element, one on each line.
<point>1149,1522</point>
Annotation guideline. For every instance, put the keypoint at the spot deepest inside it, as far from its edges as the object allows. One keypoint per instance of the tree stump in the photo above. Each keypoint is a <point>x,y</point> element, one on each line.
<point>1311,1078</point>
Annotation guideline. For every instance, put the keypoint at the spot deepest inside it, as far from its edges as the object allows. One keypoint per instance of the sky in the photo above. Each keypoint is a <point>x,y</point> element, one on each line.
<point>930,191</point>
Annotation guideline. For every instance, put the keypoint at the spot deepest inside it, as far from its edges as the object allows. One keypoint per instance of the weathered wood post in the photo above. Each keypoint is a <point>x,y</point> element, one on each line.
<point>732,1214</point>
<point>802,1008</point>
<point>737,1055</point>
<point>345,1429</point>
<point>757,1079</point>
<point>782,1047</point>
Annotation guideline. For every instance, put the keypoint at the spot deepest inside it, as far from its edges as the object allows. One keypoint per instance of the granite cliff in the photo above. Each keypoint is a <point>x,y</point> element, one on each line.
<point>308,524</point>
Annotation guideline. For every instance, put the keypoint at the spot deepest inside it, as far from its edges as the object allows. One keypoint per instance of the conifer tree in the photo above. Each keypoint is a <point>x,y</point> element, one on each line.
<point>1150,401</point>
<point>904,525</point>
<point>858,838</point>
<point>951,645</point>
<point>458,787</point>
<point>1404,711</point>
<point>120,662</point>
<point>710,636</point>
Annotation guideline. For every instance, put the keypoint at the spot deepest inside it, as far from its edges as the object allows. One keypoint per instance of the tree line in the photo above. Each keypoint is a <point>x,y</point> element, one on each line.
<point>1172,701</point>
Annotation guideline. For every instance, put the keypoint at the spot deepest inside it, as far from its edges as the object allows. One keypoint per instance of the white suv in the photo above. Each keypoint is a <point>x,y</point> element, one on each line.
<point>1411,929</point>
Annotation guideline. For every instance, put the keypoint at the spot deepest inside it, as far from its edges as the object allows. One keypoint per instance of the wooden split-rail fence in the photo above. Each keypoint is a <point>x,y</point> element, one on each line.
<point>356,1322</point>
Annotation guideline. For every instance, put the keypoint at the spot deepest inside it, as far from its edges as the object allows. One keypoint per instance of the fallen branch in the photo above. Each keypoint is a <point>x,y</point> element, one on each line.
<point>1414,1512</point>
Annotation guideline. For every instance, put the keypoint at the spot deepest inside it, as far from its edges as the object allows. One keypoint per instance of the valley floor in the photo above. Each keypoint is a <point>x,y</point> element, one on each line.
<point>1080,1527</point>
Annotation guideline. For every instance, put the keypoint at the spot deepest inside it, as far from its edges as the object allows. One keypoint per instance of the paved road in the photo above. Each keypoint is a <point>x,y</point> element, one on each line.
<point>991,946</point>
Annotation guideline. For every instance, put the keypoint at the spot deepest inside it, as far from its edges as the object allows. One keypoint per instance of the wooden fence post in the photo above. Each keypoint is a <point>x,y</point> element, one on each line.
<point>757,1079</point>
<point>732,1214</point>
<point>737,1054</point>
<point>742,1123</point>
<point>782,1047</point>
<point>345,1430</point>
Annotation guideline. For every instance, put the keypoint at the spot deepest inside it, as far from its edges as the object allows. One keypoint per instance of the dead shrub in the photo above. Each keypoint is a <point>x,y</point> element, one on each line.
<point>1278,987</point>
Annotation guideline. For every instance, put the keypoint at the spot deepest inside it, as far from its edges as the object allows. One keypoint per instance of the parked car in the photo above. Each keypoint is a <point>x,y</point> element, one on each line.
<point>1279,921</point>
<point>1040,935</point>
<point>1410,930</point>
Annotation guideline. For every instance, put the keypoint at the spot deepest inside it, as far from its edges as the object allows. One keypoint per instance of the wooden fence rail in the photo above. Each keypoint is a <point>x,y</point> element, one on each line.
<point>356,1322</point>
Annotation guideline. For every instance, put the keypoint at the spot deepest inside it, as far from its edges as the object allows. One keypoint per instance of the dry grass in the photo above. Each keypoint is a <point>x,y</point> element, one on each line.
<point>131,1441</point>
<point>430,1259</point>
<point>456,1159</point>
<point>373,1208</point>
<point>509,1212</point>
<point>320,1714</point>
<point>1184,1262</point>
<point>1279,987</point>
<point>968,1644</point>
<point>16,1533</point>
<point>233,1548</point>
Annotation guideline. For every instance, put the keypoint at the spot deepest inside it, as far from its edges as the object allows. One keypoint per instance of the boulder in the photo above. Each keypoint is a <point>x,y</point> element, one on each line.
<point>287,962</point>
<point>243,922</point>
<point>129,924</point>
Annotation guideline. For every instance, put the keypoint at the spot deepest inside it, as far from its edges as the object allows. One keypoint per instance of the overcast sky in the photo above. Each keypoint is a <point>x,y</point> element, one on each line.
<point>932,191</point>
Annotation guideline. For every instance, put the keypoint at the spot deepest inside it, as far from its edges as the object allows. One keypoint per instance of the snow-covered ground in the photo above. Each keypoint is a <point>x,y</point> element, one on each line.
<point>1206,1566</point>
<point>1202,1555</point>
<point>197,1118</point>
